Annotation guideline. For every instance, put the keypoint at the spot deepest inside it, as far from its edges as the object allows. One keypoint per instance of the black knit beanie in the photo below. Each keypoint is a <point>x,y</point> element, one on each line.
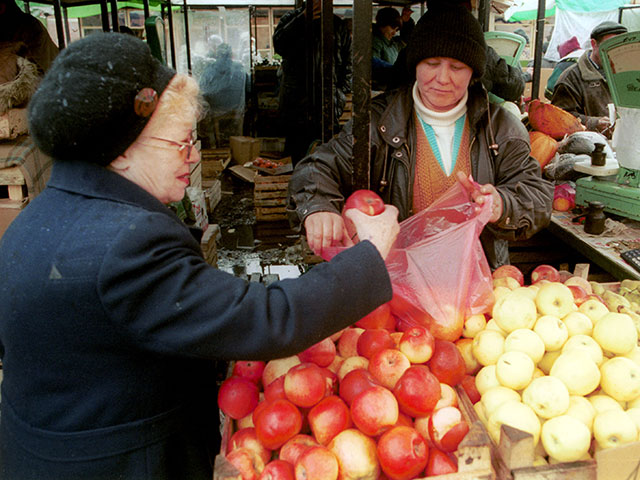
<point>96,98</point>
<point>448,31</point>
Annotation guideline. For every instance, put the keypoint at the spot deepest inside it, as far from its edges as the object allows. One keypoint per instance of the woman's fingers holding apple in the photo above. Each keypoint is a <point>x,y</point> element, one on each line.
<point>381,230</point>
<point>323,229</point>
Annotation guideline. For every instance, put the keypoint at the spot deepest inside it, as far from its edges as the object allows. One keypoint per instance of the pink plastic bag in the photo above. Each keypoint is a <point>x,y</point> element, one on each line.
<point>437,266</point>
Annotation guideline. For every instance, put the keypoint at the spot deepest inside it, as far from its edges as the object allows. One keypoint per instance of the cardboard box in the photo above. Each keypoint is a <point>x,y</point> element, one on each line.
<point>244,149</point>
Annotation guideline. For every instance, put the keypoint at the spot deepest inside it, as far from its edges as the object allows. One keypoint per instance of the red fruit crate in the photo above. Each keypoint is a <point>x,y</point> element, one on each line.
<point>473,454</point>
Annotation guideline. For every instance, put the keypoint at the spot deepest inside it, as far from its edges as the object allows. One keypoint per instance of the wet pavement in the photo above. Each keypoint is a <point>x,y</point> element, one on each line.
<point>251,249</point>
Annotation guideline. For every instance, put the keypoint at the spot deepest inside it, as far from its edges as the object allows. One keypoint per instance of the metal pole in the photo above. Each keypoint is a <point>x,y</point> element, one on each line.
<point>186,34</point>
<point>484,14</point>
<point>115,24</point>
<point>57,10</point>
<point>147,10</point>
<point>66,24</point>
<point>104,15</point>
<point>171,36</point>
<point>537,59</point>
<point>362,13</point>
<point>326,54</point>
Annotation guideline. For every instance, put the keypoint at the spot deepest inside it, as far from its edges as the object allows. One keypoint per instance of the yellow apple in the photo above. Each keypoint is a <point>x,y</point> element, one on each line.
<point>487,347</point>
<point>602,402</point>
<point>509,282</point>
<point>552,331</point>
<point>465,346</point>
<point>500,291</point>
<point>514,310</point>
<point>582,409</point>
<point>634,413</point>
<point>530,291</point>
<point>616,333</point>
<point>565,438</point>
<point>496,396</point>
<point>620,378</point>
<point>634,355</point>
<point>580,282</point>
<point>548,359</point>
<point>548,396</point>
<point>473,325</point>
<point>526,341</point>
<point>492,325</point>
<point>517,415</point>
<point>634,403</point>
<point>554,298</point>
<point>613,428</point>
<point>479,409</point>
<point>578,372</point>
<point>587,344</point>
<point>515,370</point>
<point>486,379</point>
<point>578,323</point>
<point>594,309</point>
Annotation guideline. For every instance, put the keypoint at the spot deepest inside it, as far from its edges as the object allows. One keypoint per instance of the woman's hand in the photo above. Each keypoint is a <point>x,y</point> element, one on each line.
<point>480,194</point>
<point>326,229</point>
<point>381,230</point>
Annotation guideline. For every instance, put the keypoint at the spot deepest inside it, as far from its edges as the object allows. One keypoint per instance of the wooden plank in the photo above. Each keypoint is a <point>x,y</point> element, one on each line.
<point>11,176</point>
<point>270,202</point>
<point>258,195</point>
<point>17,193</point>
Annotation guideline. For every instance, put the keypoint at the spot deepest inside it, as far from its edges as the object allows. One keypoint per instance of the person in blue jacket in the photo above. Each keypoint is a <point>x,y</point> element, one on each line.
<point>110,318</point>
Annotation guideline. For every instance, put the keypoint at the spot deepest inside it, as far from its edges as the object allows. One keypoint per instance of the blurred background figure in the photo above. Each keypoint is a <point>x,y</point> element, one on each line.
<point>300,116</point>
<point>224,85</point>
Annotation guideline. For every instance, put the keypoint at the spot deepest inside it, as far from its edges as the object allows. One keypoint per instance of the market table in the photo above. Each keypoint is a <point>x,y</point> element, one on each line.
<point>604,250</point>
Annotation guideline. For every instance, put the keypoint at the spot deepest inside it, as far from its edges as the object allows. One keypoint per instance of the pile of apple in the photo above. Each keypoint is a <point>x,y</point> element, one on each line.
<point>558,361</point>
<point>369,402</point>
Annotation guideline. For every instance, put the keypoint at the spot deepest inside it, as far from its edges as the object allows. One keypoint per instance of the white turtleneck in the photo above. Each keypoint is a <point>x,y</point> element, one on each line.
<point>443,124</point>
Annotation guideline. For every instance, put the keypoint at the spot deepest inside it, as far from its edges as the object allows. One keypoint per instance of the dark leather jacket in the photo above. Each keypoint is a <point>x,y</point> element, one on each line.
<point>324,179</point>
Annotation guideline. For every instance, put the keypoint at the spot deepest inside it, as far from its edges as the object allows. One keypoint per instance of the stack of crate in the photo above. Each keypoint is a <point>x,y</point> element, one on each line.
<point>270,197</point>
<point>208,244</point>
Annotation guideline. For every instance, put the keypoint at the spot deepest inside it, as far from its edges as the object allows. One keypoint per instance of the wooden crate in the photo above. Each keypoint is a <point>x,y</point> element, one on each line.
<point>270,197</point>
<point>214,161</point>
<point>474,452</point>
<point>13,186</point>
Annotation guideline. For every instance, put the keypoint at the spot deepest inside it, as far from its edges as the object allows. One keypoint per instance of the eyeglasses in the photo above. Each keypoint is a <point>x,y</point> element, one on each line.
<point>181,145</point>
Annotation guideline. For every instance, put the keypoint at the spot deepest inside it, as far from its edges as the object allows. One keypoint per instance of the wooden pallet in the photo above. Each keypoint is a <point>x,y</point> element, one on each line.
<point>270,197</point>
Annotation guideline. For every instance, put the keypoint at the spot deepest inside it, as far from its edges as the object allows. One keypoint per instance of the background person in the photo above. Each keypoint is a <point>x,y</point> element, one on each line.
<point>110,318</point>
<point>428,135</point>
<point>582,89</point>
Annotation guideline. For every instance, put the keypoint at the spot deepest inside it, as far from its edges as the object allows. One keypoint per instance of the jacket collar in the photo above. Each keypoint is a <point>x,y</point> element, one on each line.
<point>398,112</point>
<point>588,71</point>
<point>92,180</point>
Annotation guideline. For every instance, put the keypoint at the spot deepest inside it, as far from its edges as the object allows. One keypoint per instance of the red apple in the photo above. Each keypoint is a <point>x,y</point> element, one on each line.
<point>296,446</point>
<point>305,384</point>
<point>355,382</point>
<point>249,369</point>
<point>417,391</point>
<point>374,410</point>
<point>247,462</point>
<point>247,437</point>
<point>275,389</point>
<point>277,421</point>
<point>317,463</point>
<point>447,363</point>
<point>440,463</point>
<point>403,453</point>
<point>387,366</point>
<point>366,201</point>
<point>417,343</point>
<point>348,342</point>
<point>469,385</point>
<point>352,363</point>
<point>380,318</point>
<point>278,470</point>
<point>237,397</point>
<point>447,428</point>
<point>321,353</point>
<point>329,417</point>
<point>356,453</point>
<point>448,397</point>
<point>277,367</point>
<point>579,294</point>
<point>545,272</point>
<point>374,340</point>
<point>509,271</point>
<point>331,381</point>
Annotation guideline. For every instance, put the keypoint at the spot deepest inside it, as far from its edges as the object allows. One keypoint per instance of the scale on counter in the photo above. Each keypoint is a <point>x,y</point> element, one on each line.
<point>617,183</point>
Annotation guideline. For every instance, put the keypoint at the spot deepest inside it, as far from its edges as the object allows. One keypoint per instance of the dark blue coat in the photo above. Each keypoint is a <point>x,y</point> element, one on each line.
<point>110,321</point>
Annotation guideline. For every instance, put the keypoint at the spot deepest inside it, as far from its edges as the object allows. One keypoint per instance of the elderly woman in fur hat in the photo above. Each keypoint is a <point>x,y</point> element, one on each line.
<point>110,318</point>
<point>438,130</point>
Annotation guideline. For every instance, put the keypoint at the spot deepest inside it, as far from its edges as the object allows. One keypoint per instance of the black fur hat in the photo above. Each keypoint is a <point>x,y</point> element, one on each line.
<point>96,98</point>
<point>448,31</point>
